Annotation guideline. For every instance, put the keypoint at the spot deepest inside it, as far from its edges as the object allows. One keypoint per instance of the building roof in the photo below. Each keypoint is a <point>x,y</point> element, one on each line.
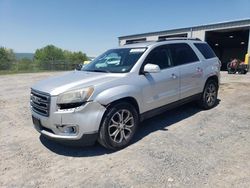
<point>233,23</point>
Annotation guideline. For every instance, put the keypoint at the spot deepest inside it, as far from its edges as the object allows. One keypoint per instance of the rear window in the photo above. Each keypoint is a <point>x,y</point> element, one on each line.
<point>205,50</point>
<point>182,53</point>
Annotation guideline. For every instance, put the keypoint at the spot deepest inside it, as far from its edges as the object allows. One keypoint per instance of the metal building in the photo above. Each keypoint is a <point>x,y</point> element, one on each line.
<point>229,39</point>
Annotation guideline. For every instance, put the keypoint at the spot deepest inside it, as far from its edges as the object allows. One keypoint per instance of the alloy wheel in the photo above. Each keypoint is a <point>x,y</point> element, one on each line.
<point>211,94</point>
<point>121,125</point>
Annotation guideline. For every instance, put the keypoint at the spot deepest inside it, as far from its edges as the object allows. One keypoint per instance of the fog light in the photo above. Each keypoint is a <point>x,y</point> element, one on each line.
<point>67,129</point>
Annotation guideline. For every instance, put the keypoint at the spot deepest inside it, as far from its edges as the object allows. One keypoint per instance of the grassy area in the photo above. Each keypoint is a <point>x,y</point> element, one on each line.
<point>6,72</point>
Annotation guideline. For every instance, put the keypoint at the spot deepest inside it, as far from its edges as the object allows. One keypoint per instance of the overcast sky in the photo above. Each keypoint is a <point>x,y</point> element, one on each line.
<point>93,26</point>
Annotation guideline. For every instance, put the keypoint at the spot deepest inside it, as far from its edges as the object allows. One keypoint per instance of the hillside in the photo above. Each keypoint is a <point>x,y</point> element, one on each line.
<point>24,55</point>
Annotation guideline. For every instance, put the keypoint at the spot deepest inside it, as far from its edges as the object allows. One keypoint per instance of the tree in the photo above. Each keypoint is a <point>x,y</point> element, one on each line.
<point>52,57</point>
<point>79,57</point>
<point>47,55</point>
<point>75,57</point>
<point>7,58</point>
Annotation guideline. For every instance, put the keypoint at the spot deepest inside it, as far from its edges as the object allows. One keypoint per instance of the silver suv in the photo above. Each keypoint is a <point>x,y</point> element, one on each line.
<point>107,98</point>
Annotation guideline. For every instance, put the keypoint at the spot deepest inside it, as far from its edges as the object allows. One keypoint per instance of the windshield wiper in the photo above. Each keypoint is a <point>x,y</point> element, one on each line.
<point>97,70</point>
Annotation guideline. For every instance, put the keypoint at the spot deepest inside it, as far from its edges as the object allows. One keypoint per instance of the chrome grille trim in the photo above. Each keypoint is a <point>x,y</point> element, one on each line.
<point>40,102</point>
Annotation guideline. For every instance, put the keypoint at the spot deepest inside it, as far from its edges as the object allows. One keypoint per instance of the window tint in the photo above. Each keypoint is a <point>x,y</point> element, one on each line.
<point>182,53</point>
<point>160,56</point>
<point>205,49</point>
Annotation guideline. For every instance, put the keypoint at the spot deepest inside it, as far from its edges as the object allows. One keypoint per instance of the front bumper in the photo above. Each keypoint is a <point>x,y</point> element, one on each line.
<point>86,119</point>
<point>85,140</point>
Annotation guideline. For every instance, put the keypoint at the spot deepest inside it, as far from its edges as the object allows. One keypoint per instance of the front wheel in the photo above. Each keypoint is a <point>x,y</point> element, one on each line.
<point>118,126</point>
<point>209,95</point>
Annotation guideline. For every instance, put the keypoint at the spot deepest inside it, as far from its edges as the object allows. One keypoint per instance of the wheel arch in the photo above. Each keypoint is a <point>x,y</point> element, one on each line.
<point>213,77</point>
<point>130,100</point>
<point>126,93</point>
<point>102,132</point>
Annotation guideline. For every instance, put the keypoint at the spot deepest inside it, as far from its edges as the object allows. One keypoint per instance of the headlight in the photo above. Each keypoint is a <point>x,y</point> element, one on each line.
<point>75,98</point>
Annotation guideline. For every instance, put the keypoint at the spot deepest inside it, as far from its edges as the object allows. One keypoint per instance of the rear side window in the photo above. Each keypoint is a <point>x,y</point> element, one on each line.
<point>182,53</point>
<point>205,50</point>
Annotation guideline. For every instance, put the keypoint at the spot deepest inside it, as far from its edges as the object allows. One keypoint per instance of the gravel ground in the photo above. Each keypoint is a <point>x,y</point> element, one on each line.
<point>185,147</point>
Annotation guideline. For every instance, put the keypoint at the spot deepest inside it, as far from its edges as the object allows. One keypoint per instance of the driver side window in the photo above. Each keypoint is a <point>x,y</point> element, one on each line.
<point>160,56</point>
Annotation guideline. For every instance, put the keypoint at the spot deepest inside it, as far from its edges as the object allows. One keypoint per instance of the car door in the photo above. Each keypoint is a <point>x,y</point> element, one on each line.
<point>190,67</point>
<point>163,87</point>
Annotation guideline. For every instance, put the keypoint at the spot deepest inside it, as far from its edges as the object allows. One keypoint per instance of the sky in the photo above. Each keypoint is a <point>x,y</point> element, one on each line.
<point>93,26</point>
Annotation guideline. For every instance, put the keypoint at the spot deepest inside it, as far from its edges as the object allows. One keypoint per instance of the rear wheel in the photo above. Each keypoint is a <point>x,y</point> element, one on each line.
<point>209,95</point>
<point>118,126</point>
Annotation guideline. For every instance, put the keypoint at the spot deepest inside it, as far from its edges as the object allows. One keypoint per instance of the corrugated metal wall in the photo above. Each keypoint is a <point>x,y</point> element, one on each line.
<point>195,32</point>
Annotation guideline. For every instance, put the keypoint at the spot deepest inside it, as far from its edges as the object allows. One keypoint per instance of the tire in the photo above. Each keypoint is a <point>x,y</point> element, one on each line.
<point>209,96</point>
<point>118,126</point>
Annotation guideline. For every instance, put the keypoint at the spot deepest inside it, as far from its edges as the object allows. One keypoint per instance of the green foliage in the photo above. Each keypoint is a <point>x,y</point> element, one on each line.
<point>48,54</point>
<point>25,64</point>
<point>75,57</point>
<point>7,58</point>
<point>48,58</point>
<point>52,57</point>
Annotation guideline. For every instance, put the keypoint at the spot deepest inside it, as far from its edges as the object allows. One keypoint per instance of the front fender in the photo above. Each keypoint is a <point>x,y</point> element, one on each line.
<point>115,93</point>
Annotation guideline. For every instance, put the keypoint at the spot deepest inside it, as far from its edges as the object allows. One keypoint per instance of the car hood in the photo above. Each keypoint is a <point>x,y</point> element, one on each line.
<point>73,80</point>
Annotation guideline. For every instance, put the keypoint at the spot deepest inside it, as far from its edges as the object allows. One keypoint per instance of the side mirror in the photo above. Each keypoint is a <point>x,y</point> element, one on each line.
<point>79,67</point>
<point>151,68</point>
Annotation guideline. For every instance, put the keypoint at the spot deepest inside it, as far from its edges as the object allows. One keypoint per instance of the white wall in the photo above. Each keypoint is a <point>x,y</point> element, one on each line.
<point>122,42</point>
<point>192,34</point>
<point>152,38</point>
<point>198,34</point>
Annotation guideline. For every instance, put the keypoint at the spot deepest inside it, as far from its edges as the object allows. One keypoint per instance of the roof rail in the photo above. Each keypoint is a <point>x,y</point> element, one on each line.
<point>177,38</point>
<point>135,41</point>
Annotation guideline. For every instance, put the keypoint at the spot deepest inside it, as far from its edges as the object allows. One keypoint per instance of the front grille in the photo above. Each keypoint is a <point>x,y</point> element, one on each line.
<point>40,102</point>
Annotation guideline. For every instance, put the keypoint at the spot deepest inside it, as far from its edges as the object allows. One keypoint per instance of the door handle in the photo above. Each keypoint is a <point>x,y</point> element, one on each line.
<point>174,76</point>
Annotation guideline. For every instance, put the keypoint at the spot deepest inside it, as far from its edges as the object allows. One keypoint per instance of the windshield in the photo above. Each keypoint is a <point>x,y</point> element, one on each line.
<point>115,61</point>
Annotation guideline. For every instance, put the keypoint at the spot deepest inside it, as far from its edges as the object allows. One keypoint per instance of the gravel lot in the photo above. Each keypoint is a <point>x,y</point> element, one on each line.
<point>185,147</point>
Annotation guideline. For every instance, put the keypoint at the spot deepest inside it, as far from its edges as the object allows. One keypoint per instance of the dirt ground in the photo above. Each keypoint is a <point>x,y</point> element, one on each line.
<point>185,147</point>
